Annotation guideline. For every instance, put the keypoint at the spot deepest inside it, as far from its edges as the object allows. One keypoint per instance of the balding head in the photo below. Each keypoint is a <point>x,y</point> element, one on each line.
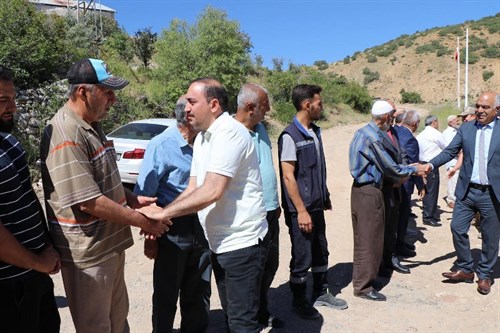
<point>486,107</point>
<point>253,104</point>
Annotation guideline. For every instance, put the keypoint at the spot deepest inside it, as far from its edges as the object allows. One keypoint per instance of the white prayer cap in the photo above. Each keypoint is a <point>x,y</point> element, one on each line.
<point>381,107</point>
<point>451,118</point>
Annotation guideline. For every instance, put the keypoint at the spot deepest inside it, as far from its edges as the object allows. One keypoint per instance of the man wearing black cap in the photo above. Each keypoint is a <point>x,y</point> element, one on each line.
<point>87,211</point>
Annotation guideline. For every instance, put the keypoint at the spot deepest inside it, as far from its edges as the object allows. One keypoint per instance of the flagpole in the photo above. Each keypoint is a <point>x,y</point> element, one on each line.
<point>466,68</point>
<point>458,71</point>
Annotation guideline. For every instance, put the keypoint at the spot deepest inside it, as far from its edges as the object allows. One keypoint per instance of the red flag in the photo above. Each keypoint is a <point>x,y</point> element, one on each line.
<point>456,55</point>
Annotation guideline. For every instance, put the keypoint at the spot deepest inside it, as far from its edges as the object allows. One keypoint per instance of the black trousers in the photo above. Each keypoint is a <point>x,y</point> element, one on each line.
<point>309,250</point>
<point>28,306</point>
<point>272,261</point>
<point>431,198</point>
<point>182,271</point>
<point>392,202</point>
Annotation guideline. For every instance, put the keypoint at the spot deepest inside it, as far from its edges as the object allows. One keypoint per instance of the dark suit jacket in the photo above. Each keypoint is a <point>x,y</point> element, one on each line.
<point>392,195</point>
<point>411,152</point>
<point>466,139</point>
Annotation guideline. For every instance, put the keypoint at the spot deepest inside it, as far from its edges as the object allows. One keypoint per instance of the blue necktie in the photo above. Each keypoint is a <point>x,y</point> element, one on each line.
<point>482,158</point>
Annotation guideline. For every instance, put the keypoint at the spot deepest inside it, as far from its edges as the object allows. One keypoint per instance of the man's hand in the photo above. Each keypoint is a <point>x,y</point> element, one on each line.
<point>423,169</point>
<point>49,261</point>
<point>156,222</point>
<point>451,173</point>
<point>305,222</point>
<point>142,201</point>
<point>151,248</point>
<point>421,194</point>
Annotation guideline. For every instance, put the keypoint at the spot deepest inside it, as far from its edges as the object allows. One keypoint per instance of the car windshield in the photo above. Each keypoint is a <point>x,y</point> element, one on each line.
<point>138,131</point>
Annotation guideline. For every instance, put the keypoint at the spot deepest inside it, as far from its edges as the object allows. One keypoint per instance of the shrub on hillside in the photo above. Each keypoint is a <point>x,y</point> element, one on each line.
<point>487,75</point>
<point>346,60</point>
<point>372,58</point>
<point>321,64</point>
<point>492,51</point>
<point>370,76</point>
<point>477,43</point>
<point>473,57</point>
<point>355,55</point>
<point>410,97</point>
<point>456,30</point>
<point>283,112</point>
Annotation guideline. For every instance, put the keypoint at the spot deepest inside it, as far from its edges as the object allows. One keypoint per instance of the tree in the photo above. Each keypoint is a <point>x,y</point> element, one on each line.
<point>32,43</point>
<point>214,46</point>
<point>144,42</point>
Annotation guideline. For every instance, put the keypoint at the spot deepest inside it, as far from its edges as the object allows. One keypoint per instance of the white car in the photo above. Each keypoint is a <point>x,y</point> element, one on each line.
<point>130,143</point>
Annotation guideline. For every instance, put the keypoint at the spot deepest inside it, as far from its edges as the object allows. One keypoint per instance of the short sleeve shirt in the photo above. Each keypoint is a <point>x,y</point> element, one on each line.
<point>79,164</point>
<point>20,211</point>
<point>238,219</point>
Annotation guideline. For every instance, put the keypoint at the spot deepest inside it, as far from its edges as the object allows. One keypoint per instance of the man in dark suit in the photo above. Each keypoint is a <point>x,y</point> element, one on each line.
<point>478,190</point>
<point>409,146</point>
<point>391,190</point>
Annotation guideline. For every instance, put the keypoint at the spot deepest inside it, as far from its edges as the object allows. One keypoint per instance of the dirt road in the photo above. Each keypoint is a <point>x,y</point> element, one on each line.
<point>417,302</point>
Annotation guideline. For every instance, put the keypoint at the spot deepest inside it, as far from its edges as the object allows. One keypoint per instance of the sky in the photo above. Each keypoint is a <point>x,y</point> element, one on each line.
<point>304,31</point>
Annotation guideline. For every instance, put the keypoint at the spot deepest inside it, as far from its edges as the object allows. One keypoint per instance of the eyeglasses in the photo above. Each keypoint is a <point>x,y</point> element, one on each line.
<point>484,107</point>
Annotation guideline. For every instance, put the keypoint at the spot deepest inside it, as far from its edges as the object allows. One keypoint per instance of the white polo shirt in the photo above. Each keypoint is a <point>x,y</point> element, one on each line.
<point>238,219</point>
<point>430,142</point>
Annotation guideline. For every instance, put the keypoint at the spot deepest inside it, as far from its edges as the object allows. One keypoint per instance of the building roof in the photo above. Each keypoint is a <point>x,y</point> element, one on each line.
<point>72,3</point>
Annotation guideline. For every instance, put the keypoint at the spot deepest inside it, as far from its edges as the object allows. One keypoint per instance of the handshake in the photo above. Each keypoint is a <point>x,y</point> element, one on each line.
<point>423,169</point>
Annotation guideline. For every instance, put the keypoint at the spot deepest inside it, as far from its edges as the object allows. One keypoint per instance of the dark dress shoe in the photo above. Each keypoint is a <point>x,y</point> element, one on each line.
<point>459,276</point>
<point>408,246</point>
<point>432,223</point>
<point>405,252</point>
<point>399,267</point>
<point>385,272</point>
<point>484,286</point>
<point>373,296</point>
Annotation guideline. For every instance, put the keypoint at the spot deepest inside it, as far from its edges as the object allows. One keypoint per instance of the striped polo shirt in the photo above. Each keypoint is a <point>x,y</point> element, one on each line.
<point>79,164</point>
<point>20,211</point>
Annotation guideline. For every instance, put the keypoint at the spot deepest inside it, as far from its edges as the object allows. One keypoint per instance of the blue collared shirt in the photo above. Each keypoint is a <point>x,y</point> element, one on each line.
<point>488,131</point>
<point>368,160</point>
<point>267,173</point>
<point>166,167</point>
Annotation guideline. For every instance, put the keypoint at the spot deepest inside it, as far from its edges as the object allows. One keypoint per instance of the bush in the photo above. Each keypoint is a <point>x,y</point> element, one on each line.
<point>492,51</point>
<point>283,112</point>
<point>370,76</point>
<point>451,30</point>
<point>321,64</point>
<point>355,55</point>
<point>372,58</point>
<point>346,60</point>
<point>487,75</point>
<point>473,57</point>
<point>410,97</point>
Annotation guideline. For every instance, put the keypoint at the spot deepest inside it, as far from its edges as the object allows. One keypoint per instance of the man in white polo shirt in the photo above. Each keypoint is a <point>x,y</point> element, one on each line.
<point>225,189</point>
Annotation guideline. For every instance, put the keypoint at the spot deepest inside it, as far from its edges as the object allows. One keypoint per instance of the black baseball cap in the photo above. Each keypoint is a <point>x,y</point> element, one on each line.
<point>94,71</point>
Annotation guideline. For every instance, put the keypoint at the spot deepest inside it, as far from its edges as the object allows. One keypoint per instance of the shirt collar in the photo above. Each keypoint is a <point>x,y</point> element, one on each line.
<point>209,132</point>
<point>490,125</point>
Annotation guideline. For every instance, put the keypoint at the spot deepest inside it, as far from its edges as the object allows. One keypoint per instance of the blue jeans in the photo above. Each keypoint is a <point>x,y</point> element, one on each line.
<point>238,275</point>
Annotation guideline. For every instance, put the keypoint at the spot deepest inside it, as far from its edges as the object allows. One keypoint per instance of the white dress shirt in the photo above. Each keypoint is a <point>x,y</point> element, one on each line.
<point>448,134</point>
<point>430,142</point>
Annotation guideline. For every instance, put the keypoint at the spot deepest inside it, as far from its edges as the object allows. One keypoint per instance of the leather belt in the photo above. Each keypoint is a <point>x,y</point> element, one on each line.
<point>370,184</point>
<point>479,186</point>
